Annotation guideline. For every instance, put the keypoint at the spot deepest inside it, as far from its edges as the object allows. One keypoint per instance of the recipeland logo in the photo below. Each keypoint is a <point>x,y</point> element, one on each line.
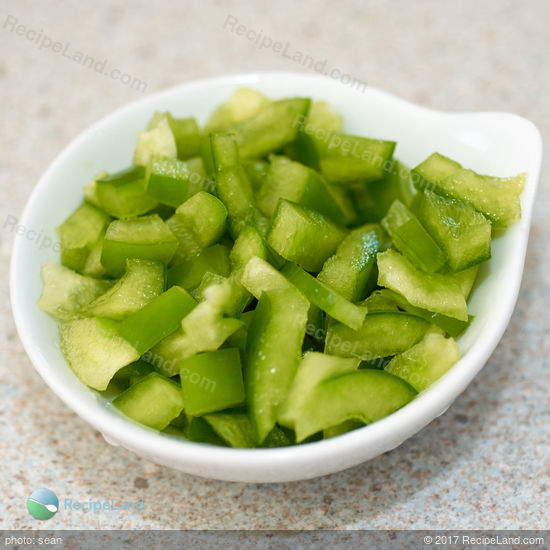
<point>42,504</point>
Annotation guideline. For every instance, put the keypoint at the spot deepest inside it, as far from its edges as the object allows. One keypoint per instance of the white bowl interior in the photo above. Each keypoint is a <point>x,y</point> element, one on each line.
<point>494,143</point>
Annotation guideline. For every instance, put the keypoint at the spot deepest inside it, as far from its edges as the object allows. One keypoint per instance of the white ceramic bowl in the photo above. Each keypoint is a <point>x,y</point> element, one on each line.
<point>494,143</point>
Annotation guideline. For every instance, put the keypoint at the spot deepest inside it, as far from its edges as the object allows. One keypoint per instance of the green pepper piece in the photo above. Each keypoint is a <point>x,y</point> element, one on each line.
<point>274,346</point>
<point>365,395</point>
<point>90,189</point>
<point>497,198</point>
<point>313,369</point>
<point>147,238</point>
<point>154,401</point>
<point>303,236</point>
<point>432,291</point>
<point>373,199</point>
<point>259,276</point>
<point>426,361</point>
<point>344,427</point>
<point>168,180</point>
<point>382,334</point>
<point>242,105</point>
<point>66,294</point>
<point>134,371</point>
<point>457,227</point>
<point>123,195</point>
<point>388,300</point>
<point>157,141</point>
<point>411,239</point>
<point>156,320</point>
<point>200,431</point>
<point>198,223</point>
<point>212,381</point>
<point>345,159</point>
<point>93,266</point>
<point>94,350</point>
<point>234,428</point>
<point>189,274</point>
<point>320,122</point>
<point>204,329</point>
<point>323,296</point>
<point>248,244</point>
<point>186,134</point>
<point>142,281</point>
<point>273,127</point>
<point>79,233</point>
<point>256,170</point>
<point>232,185</point>
<point>349,270</point>
<point>297,183</point>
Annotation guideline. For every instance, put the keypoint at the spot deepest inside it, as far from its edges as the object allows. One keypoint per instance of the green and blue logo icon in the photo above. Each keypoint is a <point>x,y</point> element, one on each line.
<point>42,504</point>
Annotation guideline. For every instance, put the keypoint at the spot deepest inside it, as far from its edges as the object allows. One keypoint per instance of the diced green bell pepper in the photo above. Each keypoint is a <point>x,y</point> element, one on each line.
<point>204,329</point>
<point>242,105</point>
<point>303,236</point>
<point>212,381</point>
<point>466,279</point>
<point>382,334</point>
<point>365,395</point>
<point>432,291</point>
<point>248,244</point>
<point>256,170</point>
<point>66,294</point>
<point>388,300</point>
<point>198,223</point>
<point>168,180</point>
<point>411,238</point>
<point>157,141</point>
<point>142,281</point>
<point>297,183</point>
<point>349,270</point>
<point>234,428</point>
<point>237,298</point>
<point>259,276</point>
<point>460,230</point>
<point>133,372</point>
<point>344,159</point>
<point>189,273</point>
<point>344,427</point>
<point>273,127</point>
<point>497,198</point>
<point>426,361</point>
<point>157,319</point>
<point>320,122</point>
<point>90,189</point>
<point>232,185</point>
<point>94,350</point>
<point>274,346</point>
<point>373,199</point>
<point>123,194</point>
<point>313,369</point>
<point>324,297</point>
<point>79,233</point>
<point>147,238</point>
<point>187,136</point>
<point>93,266</point>
<point>154,401</point>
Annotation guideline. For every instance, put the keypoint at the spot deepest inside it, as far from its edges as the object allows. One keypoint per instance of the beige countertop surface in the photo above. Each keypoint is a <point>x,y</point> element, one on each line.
<point>486,462</point>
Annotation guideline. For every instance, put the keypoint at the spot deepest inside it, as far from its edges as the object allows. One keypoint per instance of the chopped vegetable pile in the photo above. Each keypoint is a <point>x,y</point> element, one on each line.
<point>270,280</point>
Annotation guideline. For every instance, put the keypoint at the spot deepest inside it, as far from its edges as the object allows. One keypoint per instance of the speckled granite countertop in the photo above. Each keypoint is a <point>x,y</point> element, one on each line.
<point>486,462</point>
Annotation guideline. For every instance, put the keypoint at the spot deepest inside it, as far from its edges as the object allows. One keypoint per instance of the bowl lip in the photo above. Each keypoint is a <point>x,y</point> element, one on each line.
<point>413,416</point>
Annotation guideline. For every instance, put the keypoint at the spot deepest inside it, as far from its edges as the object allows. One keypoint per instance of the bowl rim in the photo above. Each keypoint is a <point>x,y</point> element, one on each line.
<point>169,450</point>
